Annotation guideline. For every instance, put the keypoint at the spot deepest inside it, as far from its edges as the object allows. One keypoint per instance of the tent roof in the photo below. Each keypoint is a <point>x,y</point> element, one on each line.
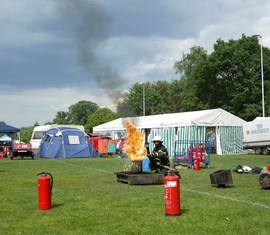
<point>55,130</point>
<point>261,118</point>
<point>5,137</point>
<point>4,128</point>
<point>210,117</point>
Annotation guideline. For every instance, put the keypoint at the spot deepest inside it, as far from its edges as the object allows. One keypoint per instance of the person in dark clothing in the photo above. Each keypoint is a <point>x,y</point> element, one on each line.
<point>159,158</point>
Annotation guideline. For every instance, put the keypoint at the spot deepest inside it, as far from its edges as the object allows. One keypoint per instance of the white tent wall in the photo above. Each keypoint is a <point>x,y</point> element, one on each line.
<point>187,126</point>
<point>218,144</point>
<point>168,136</point>
<point>230,140</point>
<point>169,139</point>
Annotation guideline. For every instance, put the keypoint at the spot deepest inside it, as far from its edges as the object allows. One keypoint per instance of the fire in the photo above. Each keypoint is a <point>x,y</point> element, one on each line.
<point>134,147</point>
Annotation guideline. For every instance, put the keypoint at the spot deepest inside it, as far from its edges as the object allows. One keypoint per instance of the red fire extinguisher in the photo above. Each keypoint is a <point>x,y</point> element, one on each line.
<point>202,152</point>
<point>197,161</point>
<point>172,193</point>
<point>45,184</point>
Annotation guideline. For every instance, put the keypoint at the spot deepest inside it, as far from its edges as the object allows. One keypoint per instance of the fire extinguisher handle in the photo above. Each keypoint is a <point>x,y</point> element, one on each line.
<point>51,185</point>
<point>51,181</point>
<point>173,172</point>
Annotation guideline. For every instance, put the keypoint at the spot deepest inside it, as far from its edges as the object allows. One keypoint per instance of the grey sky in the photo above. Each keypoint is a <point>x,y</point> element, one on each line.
<point>56,53</point>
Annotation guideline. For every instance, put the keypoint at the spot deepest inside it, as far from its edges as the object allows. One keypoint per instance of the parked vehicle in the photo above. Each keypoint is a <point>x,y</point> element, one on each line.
<point>256,135</point>
<point>21,150</point>
<point>37,135</point>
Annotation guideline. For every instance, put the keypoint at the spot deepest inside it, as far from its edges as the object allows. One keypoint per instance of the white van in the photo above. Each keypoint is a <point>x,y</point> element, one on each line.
<point>39,131</point>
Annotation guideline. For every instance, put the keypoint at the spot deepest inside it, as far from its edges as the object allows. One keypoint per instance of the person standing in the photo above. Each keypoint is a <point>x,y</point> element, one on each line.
<point>119,147</point>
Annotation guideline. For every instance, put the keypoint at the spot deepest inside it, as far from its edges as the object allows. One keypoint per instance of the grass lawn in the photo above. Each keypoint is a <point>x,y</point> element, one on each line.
<point>87,199</point>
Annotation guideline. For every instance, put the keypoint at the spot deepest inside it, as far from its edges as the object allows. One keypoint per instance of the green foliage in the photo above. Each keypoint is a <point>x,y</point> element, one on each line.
<point>125,108</point>
<point>36,124</point>
<point>26,133</point>
<point>101,116</point>
<point>236,67</point>
<point>228,78</point>
<point>163,101</point>
<point>192,67</point>
<point>60,118</point>
<point>78,113</point>
<point>154,99</point>
<point>87,199</point>
<point>182,96</point>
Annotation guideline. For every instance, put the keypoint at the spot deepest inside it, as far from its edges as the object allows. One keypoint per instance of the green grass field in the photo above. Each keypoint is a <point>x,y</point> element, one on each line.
<point>87,199</point>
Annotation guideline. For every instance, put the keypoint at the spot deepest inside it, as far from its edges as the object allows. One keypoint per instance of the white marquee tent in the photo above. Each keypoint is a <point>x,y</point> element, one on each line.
<point>189,126</point>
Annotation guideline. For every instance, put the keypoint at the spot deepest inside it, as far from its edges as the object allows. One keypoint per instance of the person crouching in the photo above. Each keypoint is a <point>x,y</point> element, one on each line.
<point>159,158</point>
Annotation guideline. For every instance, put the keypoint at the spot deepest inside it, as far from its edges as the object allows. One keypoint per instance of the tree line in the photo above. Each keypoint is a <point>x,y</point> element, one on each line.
<point>229,78</point>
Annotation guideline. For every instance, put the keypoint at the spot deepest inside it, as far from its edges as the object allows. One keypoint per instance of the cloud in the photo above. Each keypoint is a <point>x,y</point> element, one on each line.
<point>86,49</point>
<point>23,23</point>
<point>41,105</point>
<point>157,18</point>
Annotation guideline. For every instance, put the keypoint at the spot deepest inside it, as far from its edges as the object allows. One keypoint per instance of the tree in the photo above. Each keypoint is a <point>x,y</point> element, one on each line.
<point>124,107</point>
<point>228,78</point>
<point>162,88</point>
<point>132,104</point>
<point>181,96</point>
<point>78,113</point>
<point>60,118</point>
<point>36,124</point>
<point>236,70</point>
<point>26,133</point>
<point>101,116</point>
<point>194,73</point>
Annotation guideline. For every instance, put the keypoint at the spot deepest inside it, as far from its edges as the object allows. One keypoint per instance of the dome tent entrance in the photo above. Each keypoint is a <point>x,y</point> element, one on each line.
<point>65,142</point>
<point>186,126</point>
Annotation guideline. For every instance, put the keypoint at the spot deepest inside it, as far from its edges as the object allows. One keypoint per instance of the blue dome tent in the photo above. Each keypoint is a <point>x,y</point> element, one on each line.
<point>66,142</point>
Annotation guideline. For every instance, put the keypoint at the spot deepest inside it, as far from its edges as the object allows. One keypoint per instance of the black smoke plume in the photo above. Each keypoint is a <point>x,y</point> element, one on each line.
<point>91,23</point>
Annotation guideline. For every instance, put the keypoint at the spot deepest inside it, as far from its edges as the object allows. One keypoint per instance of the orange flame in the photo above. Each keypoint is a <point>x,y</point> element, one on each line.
<point>134,143</point>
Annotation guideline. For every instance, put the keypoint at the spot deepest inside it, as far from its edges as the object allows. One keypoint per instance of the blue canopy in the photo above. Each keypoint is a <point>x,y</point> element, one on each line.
<point>66,142</point>
<point>4,128</point>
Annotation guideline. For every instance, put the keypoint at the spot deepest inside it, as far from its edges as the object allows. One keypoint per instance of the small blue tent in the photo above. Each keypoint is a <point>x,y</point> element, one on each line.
<point>4,128</point>
<point>66,142</point>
